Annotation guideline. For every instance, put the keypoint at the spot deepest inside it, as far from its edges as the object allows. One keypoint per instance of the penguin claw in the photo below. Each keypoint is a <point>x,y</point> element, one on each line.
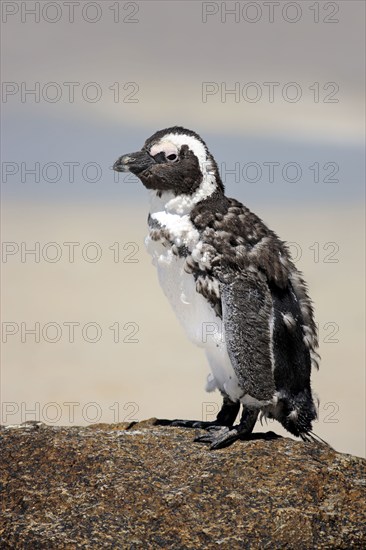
<point>187,423</point>
<point>206,438</point>
<point>219,438</point>
<point>192,424</point>
<point>215,428</point>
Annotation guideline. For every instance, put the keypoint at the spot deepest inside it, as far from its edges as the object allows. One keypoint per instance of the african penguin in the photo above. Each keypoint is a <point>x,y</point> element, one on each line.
<point>233,287</point>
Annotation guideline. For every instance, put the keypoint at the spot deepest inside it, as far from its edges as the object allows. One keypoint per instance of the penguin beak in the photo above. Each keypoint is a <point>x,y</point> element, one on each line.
<point>134,162</point>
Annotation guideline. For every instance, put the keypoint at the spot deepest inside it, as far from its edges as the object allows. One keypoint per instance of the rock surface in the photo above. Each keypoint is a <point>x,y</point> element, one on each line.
<point>146,486</point>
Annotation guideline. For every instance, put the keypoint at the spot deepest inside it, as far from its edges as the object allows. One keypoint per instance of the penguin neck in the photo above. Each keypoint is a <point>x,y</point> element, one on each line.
<point>182,205</point>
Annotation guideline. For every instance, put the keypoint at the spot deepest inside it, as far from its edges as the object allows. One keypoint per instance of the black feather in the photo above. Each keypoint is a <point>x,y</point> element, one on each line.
<point>292,363</point>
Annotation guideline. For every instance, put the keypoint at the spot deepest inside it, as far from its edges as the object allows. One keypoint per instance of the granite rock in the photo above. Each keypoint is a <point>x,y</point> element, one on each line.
<point>147,486</point>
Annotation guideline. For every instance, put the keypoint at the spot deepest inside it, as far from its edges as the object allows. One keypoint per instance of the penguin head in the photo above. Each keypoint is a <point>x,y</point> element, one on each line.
<point>173,160</point>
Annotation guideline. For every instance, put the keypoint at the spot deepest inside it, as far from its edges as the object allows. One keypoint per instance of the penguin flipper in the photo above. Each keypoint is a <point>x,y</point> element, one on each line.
<point>246,313</point>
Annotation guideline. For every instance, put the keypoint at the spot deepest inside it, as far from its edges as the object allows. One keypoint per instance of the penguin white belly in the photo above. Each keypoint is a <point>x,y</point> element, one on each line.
<point>193,311</point>
<point>197,317</point>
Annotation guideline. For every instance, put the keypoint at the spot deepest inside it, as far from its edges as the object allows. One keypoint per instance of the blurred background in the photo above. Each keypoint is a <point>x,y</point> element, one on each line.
<point>276,89</point>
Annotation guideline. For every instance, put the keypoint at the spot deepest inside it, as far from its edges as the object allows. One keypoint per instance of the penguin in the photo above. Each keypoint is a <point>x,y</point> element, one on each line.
<point>234,288</point>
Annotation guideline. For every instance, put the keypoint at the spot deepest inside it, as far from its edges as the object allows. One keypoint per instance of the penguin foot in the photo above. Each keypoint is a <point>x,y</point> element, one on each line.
<point>223,436</point>
<point>226,417</point>
<point>220,436</point>
<point>187,423</point>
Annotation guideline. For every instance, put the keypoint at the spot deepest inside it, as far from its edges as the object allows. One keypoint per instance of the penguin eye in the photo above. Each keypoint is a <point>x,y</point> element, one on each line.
<point>165,152</point>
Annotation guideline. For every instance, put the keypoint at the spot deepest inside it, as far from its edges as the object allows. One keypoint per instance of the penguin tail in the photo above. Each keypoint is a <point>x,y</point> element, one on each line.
<point>313,438</point>
<point>296,411</point>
